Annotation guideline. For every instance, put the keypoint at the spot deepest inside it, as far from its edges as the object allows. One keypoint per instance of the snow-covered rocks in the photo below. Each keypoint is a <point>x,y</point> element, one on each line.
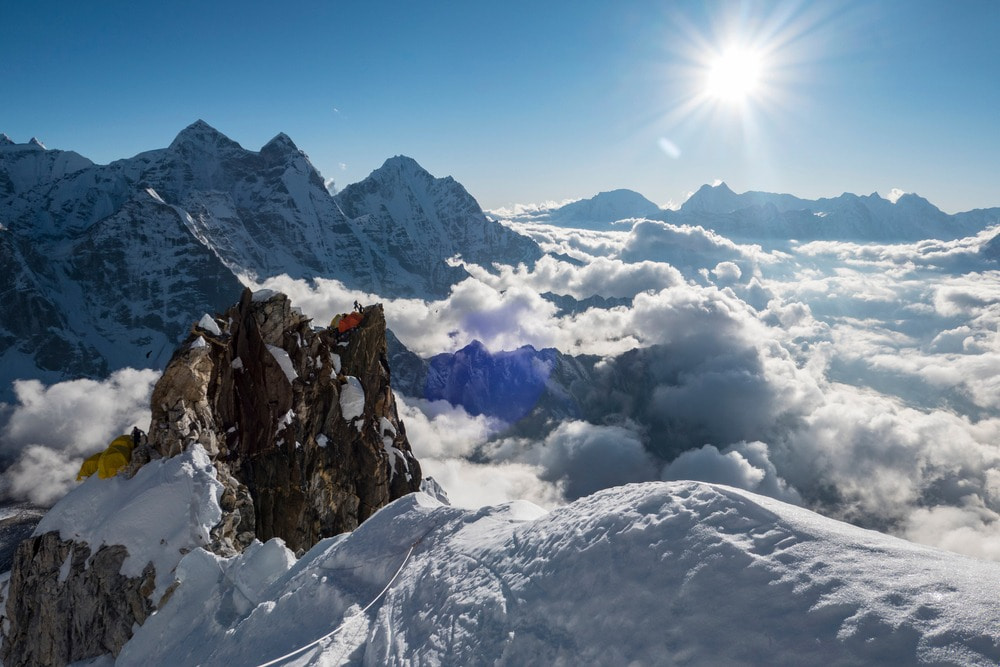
<point>273,447</point>
<point>104,556</point>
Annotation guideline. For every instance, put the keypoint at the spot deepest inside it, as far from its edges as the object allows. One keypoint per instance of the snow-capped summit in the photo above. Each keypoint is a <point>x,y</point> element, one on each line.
<point>280,144</point>
<point>226,211</point>
<point>772,216</point>
<point>417,216</point>
<point>36,143</point>
<point>5,140</point>
<point>602,209</point>
<point>712,199</point>
<point>200,134</point>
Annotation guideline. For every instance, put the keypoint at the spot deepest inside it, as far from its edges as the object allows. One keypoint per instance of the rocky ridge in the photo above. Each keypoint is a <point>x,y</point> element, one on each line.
<point>174,231</point>
<point>300,427</point>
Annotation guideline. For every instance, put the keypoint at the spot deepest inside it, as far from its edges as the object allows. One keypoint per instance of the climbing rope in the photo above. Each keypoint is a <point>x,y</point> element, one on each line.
<point>352,616</point>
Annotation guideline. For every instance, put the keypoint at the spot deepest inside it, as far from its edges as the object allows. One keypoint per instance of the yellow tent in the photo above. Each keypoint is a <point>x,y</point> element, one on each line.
<point>115,457</point>
<point>89,466</point>
<point>107,463</point>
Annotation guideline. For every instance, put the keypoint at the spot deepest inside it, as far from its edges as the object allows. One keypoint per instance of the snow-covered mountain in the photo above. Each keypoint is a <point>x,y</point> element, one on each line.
<point>658,573</point>
<point>768,216</point>
<point>422,221</point>
<point>602,209</point>
<point>106,265</point>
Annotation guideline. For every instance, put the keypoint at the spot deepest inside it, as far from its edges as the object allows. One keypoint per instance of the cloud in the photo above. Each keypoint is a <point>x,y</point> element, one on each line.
<point>580,244</point>
<point>895,194</point>
<point>870,372</point>
<point>727,272</point>
<point>692,248</point>
<point>971,528</point>
<point>474,485</point>
<point>527,212</point>
<point>40,475</point>
<point>601,276</point>
<point>51,429</point>
<point>580,457</point>
<point>439,430</point>
<point>444,437</point>
<point>745,465</point>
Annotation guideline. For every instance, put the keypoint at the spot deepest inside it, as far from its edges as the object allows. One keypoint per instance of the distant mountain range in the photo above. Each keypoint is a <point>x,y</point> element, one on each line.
<point>764,216</point>
<point>107,265</point>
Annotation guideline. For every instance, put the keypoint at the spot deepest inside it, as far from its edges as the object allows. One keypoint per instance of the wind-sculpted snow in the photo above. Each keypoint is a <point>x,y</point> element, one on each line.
<point>647,574</point>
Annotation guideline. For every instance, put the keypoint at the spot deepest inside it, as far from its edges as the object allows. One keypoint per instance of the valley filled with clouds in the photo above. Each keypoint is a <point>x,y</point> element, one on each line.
<point>857,378</point>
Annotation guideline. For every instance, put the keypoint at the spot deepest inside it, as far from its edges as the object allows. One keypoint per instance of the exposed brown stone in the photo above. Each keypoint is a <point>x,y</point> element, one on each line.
<point>290,464</point>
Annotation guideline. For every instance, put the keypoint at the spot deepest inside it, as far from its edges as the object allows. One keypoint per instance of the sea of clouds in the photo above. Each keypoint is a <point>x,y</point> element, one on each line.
<point>857,379</point>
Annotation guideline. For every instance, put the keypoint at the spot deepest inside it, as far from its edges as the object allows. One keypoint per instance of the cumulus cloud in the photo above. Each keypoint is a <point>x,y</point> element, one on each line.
<point>895,194</point>
<point>727,272</point>
<point>581,245</point>
<point>474,485</point>
<point>445,437</point>
<point>51,429</point>
<point>693,249</point>
<point>439,430</point>
<point>581,457</point>
<point>745,465</point>
<point>601,277</point>
<point>528,211</point>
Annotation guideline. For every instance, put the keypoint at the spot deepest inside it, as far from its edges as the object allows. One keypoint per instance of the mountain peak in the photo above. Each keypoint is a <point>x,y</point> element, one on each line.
<point>5,140</point>
<point>281,142</point>
<point>36,143</point>
<point>402,163</point>
<point>712,199</point>
<point>200,133</point>
<point>604,209</point>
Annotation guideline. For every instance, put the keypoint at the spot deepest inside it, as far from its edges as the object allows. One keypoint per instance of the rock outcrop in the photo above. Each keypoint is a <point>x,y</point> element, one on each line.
<point>65,604</point>
<point>302,429</point>
<point>301,422</point>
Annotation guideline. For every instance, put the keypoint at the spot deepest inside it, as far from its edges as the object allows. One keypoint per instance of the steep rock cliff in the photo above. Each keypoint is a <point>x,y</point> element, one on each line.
<point>274,429</point>
<point>302,419</point>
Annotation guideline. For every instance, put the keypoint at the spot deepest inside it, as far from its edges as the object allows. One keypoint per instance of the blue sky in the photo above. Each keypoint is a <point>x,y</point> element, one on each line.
<point>529,101</point>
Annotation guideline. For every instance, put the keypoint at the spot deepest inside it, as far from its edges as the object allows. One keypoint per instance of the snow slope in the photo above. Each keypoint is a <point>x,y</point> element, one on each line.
<point>679,573</point>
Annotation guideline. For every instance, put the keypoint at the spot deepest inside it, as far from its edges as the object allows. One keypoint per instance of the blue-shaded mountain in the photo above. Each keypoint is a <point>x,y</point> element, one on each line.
<point>603,209</point>
<point>760,216</point>
<point>105,266</point>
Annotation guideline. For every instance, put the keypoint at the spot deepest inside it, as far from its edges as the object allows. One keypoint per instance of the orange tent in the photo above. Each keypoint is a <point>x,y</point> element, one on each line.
<point>349,321</point>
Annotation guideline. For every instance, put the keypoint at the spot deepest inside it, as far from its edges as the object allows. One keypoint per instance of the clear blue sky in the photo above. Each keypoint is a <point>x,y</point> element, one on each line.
<point>527,101</point>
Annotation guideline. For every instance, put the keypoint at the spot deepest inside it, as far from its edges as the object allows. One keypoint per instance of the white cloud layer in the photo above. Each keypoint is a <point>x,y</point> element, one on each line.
<point>858,379</point>
<point>51,429</point>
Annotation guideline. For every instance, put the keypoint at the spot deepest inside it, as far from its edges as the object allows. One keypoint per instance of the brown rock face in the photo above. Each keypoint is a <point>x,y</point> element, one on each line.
<point>302,428</point>
<point>301,422</point>
<point>63,608</point>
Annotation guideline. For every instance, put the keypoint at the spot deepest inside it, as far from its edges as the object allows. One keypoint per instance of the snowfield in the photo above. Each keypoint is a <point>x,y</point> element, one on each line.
<point>675,573</point>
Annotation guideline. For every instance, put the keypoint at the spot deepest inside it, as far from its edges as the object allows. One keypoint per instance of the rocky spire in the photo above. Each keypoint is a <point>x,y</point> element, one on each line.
<point>301,426</point>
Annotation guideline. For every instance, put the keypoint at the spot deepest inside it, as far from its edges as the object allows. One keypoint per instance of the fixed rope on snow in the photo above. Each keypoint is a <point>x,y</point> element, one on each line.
<point>353,616</point>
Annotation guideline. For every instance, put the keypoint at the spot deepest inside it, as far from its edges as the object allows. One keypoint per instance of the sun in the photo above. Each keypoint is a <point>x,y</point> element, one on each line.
<point>734,75</point>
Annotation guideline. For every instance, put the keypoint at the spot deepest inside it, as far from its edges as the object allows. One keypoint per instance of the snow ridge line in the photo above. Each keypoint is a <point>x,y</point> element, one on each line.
<point>344,622</point>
